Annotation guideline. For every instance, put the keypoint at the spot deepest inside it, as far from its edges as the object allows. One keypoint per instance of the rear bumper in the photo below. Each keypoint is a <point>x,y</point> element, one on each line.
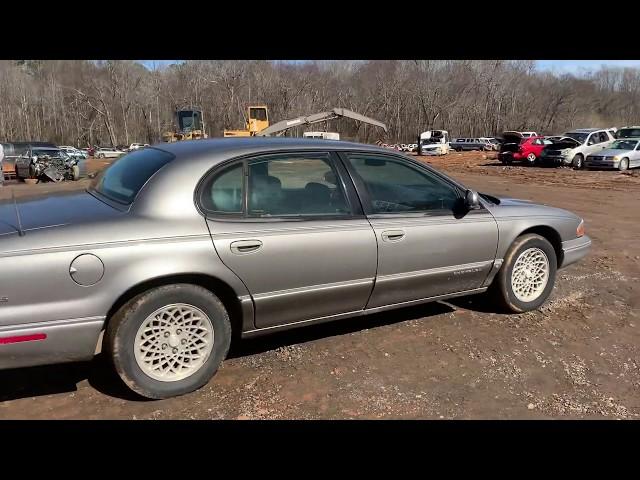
<point>574,250</point>
<point>49,342</point>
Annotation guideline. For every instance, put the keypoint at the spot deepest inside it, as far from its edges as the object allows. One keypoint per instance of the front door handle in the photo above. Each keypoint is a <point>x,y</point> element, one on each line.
<point>392,235</point>
<point>245,246</point>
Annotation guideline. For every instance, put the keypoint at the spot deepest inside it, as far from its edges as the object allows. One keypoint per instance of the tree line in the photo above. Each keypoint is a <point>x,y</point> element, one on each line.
<point>78,102</point>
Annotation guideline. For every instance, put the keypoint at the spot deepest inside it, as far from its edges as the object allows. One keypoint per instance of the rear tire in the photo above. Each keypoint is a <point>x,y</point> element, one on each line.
<point>531,158</point>
<point>169,340</point>
<point>534,261</point>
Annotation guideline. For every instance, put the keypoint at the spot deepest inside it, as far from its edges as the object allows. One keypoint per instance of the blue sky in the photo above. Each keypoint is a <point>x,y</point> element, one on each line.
<point>556,66</point>
<point>582,66</point>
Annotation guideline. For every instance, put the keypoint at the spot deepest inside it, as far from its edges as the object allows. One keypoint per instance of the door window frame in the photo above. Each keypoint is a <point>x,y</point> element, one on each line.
<point>363,192</point>
<point>342,176</point>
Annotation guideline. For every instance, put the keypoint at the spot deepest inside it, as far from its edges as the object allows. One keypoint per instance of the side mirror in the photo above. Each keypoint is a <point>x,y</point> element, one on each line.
<point>471,200</point>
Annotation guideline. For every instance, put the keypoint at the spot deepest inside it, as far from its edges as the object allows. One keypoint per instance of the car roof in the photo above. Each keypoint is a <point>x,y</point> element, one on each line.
<point>585,130</point>
<point>189,148</point>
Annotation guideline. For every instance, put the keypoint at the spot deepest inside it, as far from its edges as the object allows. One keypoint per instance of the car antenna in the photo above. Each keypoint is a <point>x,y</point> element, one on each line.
<point>15,204</point>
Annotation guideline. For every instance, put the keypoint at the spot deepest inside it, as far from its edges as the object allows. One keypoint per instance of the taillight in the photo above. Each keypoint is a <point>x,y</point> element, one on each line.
<point>580,229</point>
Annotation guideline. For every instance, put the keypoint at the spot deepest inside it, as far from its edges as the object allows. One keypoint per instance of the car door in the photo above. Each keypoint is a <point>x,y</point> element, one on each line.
<point>595,143</point>
<point>427,246</point>
<point>291,228</point>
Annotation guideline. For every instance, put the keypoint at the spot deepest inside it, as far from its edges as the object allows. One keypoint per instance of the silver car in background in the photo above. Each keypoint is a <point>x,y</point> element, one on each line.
<point>621,154</point>
<point>176,247</point>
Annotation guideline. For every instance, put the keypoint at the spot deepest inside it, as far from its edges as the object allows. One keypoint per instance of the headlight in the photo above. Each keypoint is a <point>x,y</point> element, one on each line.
<point>580,229</point>
<point>615,158</point>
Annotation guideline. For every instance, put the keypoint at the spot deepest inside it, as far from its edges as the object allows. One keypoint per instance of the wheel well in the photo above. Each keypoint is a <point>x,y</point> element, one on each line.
<point>223,291</point>
<point>552,236</point>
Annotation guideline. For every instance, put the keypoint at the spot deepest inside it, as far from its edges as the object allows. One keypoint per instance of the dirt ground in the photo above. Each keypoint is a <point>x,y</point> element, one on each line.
<point>578,357</point>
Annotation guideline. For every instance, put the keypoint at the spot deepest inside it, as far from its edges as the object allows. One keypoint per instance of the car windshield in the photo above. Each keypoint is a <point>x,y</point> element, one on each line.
<point>579,136</point>
<point>624,145</point>
<point>41,152</point>
<point>628,133</point>
<point>124,178</point>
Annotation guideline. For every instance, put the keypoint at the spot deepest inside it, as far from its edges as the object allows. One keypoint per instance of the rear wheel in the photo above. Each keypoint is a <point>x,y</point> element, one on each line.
<point>169,340</point>
<point>624,164</point>
<point>531,158</point>
<point>528,274</point>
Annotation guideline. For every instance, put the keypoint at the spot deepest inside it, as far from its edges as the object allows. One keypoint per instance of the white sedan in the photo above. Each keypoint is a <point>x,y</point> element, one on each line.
<point>108,152</point>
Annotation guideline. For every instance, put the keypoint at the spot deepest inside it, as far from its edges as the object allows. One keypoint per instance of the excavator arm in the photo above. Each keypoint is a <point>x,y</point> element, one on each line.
<point>281,127</point>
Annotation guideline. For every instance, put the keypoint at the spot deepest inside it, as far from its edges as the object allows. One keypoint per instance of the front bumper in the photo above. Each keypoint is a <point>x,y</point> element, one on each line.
<point>49,342</point>
<point>590,163</point>
<point>574,250</point>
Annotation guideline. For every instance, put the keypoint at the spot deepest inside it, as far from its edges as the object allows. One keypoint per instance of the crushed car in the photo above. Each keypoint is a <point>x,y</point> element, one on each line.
<point>433,142</point>
<point>47,164</point>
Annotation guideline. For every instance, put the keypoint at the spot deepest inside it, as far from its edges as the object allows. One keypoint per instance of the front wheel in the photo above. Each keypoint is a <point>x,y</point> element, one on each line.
<point>578,162</point>
<point>531,158</point>
<point>624,164</point>
<point>169,340</point>
<point>528,274</point>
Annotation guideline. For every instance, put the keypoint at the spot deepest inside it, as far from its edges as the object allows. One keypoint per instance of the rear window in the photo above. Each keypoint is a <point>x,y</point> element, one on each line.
<point>125,177</point>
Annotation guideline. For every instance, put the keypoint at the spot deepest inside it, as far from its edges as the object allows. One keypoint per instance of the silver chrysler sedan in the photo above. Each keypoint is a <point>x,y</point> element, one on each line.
<point>176,247</point>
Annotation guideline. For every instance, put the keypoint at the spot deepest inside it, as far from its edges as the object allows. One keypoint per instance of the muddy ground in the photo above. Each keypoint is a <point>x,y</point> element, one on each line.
<point>578,357</point>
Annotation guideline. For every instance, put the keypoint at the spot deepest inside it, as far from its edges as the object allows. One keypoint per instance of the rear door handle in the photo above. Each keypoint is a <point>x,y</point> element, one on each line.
<point>392,235</point>
<point>245,246</point>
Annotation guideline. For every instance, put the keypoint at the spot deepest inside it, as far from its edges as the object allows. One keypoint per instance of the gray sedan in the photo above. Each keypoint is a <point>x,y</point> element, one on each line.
<point>622,154</point>
<point>178,247</point>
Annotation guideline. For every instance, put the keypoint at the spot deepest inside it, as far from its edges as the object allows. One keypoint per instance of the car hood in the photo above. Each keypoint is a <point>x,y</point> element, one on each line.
<point>563,143</point>
<point>515,207</point>
<point>51,210</point>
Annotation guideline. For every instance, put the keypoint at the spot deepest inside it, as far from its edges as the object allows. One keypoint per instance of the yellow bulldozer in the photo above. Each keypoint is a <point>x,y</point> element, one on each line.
<point>257,120</point>
<point>190,127</point>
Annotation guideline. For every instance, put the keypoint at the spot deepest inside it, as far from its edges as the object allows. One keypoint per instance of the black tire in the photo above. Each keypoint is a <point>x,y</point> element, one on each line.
<point>502,288</point>
<point>578,162</point>
<point>623,165</point>
<point>532,159</point>
<point>123,327</point>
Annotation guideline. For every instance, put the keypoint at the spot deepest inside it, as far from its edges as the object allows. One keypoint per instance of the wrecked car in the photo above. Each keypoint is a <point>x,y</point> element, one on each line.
<point>571,148</point>
<point>48,164</point>
<point>518,148</point>
<point>433,142</point>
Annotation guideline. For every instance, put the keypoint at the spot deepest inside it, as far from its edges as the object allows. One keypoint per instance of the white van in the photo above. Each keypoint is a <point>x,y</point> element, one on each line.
<point>322,135</point>
<point>433,142</point>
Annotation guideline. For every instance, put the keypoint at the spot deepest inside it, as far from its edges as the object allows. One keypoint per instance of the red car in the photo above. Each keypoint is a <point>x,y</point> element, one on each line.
<point>518,148</point>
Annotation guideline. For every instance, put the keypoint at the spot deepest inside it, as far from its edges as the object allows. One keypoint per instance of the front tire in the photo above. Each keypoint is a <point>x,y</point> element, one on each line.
<point>623,165</point>
<point>578,162</point>
<point>169,340</point>
<point>528,274</point>
<point>531,158</point>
